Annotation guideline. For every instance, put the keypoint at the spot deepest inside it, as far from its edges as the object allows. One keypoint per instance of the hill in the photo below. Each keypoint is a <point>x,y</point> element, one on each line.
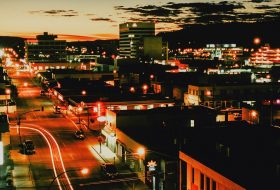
<point>238,33</point>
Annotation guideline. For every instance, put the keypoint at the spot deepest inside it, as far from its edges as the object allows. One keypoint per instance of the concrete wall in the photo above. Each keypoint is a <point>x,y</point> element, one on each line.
<point>222,183</point>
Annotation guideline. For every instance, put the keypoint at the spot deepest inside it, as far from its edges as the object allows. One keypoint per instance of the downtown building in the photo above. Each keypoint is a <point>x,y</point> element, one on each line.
<point>45,49</point>
<point>132,37</point>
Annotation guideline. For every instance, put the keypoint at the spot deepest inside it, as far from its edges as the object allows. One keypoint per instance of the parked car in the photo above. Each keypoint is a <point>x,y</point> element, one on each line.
<point>43,93</point>
<point>56,109</point>
<point>80,135</point>
<point>109,170</point>
<point>27,147</point>
<point>9,183</point>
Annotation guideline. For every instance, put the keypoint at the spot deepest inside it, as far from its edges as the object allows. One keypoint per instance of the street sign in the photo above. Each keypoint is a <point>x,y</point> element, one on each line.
<point>152,165</point>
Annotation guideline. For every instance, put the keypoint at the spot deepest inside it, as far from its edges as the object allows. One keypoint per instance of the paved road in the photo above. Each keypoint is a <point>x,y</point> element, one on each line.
<point>76,154</point>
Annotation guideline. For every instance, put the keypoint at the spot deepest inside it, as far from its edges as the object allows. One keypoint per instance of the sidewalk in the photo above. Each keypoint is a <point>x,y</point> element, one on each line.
<point>20,174</point>
<point>106,155</point>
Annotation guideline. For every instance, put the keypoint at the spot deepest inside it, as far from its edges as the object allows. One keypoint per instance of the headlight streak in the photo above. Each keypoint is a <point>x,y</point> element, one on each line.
<point>38,129</point>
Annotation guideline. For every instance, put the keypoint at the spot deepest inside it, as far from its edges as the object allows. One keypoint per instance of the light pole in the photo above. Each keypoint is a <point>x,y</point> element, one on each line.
<point>7,92</point>
<point>18,122</point>
<point>141,153</point>
<point>100,119</point>
<point>80,109</point>
<point>83,171</point>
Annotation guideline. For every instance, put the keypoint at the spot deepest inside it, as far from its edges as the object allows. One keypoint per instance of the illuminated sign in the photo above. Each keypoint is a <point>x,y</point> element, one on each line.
<point>152,165</point>
<point>1,153</point>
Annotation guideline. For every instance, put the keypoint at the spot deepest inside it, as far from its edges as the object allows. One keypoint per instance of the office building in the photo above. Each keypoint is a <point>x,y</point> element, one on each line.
<point>45,49</point>
<point>131,37</point>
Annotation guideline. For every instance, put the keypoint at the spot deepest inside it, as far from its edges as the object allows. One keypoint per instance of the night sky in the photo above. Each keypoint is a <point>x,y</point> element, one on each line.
<point>91,19</point>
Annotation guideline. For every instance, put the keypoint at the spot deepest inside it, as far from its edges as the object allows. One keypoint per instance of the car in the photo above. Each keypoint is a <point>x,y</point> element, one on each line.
<point>56,109</point>
<point>109,170</point>
<point>43,93</point>
<point>27,147</point>
<point>80,135</point>
<point>9,183</point>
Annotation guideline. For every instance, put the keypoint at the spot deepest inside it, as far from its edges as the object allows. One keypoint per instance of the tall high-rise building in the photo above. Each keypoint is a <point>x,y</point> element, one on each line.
<point>131,37</point>
<point>46,49</point>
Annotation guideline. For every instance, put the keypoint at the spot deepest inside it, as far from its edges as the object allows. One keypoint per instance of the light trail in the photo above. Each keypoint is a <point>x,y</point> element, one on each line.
<point>60,156</point>
<point>37,128</point>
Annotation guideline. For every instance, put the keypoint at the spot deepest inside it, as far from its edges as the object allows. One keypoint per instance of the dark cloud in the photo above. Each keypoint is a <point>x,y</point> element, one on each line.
<point>223,7</point>
<point>102,19</point>
<point>181,14</point>
<point>64,13</point>
<point>215,18</point>
<point>259,1</point>
<point>202,8</point>
<point>268,7</point>
<point>150,10</point>
<point>243,17</point>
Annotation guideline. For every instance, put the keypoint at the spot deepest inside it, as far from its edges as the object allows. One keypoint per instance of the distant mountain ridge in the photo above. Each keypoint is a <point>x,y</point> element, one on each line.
<point>238,33</point>
<point>193,36</point>
<point>11,41</point>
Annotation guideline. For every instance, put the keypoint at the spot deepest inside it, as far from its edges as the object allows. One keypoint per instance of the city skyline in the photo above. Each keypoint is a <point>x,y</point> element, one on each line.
<point>89,20</point>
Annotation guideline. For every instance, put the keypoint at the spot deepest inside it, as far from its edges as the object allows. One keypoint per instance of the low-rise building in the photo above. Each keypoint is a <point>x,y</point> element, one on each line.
<point>158,131</point>
<point>230,158</point>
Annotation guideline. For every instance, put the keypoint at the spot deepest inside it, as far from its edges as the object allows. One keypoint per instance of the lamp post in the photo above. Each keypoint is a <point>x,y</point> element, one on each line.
<point>253,115</point>
<point>141,153</point>
<point>7,92</point>
<point>18,122</point>
<point>83,171</point>
<point>80,109</point>
<point>100,119</point>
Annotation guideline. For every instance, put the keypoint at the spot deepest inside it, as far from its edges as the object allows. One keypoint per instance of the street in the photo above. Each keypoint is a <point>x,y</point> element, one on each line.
<point>59,156</point>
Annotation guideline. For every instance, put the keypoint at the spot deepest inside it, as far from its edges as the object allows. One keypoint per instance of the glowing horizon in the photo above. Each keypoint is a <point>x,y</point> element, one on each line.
<point>90,20</point>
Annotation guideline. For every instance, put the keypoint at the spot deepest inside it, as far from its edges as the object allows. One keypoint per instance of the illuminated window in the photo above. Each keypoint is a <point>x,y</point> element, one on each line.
<point>138,107</point>
<point>192,123</point>
<point>95,109</point>
<point>150,106</point>
<point>123,107</point>
<point>228,152</point>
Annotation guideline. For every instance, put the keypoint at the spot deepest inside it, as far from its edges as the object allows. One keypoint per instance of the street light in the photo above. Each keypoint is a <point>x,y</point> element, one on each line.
<point>141,153</point>
<point>7,92</point>
<point>84,92</point>
<point>101,119</point>
<point>100,140</point>
<point>83,171</point>
<point>80,109</point>
<point>257,41</point>
<point>253,114</point>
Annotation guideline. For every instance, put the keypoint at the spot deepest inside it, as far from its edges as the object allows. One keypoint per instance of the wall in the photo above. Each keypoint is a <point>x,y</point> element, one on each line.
<point>222,183</point>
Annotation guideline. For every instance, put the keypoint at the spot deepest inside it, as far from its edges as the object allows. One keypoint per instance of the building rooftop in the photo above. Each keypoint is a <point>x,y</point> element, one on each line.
<point>247,155</point>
